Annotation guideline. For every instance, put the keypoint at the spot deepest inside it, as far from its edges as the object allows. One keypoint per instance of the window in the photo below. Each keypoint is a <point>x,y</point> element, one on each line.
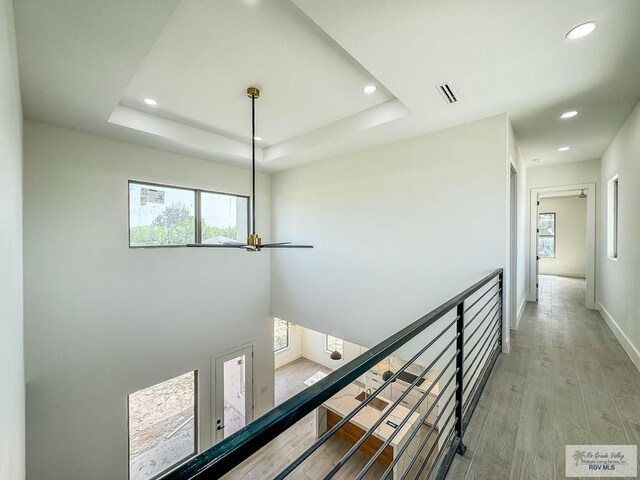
<point>223,217</point>
<point>162,426</point>
<point>163,216</point>
<point>547,235</point>
<point>332,344</point>
<point>612,218</point>
<point>280,334</point>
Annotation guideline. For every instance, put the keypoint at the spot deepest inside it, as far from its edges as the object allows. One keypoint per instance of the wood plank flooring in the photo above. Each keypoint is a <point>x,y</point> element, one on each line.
<point>567,380</point>
<point>271,459</point>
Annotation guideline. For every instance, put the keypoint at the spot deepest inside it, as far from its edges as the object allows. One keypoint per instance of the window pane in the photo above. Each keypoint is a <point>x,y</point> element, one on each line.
<point>224,217</point>
<point>546,246</point>
<point>333,344</point>
<point>161,426</point>
<point>280,334</point>
<point>160,215</point>
<point>546,224</point>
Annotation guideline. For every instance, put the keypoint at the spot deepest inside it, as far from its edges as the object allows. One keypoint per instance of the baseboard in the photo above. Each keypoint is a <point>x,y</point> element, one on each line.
<point>564,274</point>
<point>629,347</point>
<point>289,361</point>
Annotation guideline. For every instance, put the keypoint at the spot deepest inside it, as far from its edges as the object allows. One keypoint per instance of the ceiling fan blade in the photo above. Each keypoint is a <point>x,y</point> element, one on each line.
<point>217,245</point>
<point>272,245</point>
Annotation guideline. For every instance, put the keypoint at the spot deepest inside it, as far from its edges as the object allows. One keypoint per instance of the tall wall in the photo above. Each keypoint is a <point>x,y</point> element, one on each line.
<point>570,258</point>
<point>12,435</point>
<point>103,320</point>
<point>397,230</point>
<point>619,279</point>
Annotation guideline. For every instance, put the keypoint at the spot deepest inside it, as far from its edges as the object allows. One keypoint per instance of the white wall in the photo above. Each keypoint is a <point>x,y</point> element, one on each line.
<point>397,230</point>
<point>619,280</point>
<point>12,435</point>
<point>571,237</point>
<point>564,174</point>
<point>307,343</point>
<point>313,349</point>
<point>103,320</point>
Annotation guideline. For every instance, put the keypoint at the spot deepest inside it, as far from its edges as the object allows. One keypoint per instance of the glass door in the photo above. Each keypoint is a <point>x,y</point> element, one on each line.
<point>233,392</point>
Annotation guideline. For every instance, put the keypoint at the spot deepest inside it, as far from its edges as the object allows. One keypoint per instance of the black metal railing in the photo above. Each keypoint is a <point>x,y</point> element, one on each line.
<point>426,409</point>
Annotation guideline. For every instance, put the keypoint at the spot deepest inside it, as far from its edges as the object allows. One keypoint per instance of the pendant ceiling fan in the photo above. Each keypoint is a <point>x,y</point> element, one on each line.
<point>254,242</point>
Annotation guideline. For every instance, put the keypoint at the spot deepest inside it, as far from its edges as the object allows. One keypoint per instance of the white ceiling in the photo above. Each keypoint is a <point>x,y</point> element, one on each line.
<point>87,64</point>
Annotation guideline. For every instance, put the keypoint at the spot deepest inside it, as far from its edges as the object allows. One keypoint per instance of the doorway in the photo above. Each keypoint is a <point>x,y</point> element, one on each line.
<point>588,190</point>
<point>233,391</point>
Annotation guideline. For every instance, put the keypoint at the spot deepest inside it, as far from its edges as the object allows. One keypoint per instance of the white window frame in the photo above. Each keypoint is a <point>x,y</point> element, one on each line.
<point>338,342</point>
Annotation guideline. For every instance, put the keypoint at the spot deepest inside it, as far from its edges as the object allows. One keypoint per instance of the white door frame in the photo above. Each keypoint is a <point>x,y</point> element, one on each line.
<point>565,190</point>
<point>247,350</point>
<point>513,246</point>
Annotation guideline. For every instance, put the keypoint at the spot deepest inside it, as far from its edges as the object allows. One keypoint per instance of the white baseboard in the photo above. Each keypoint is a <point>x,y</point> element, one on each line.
<point>288,361</point>
<point>565,274</point>
<point>629,347</point>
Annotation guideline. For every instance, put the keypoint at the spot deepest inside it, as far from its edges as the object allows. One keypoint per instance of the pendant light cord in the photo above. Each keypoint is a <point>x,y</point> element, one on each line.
<point>253,163</point>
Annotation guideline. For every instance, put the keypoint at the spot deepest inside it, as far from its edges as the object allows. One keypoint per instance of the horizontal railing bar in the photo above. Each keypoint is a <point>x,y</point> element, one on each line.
<point>490,327</point>
<point>496,333</point>
<point>485,359</point>
<point>378,422</point>
<point>225,455</point>
<point>470,336</point>
<point>373,459</point>
<point>470,406</point>
<point>424,443</point>
<point>483,353</point>
<point>451,446</point>
<point>328,434</point>
<point>482,308</point>
<point>481,296</point>
<point>437,459</point>
<point>415,431</point>
<point>475,385</point>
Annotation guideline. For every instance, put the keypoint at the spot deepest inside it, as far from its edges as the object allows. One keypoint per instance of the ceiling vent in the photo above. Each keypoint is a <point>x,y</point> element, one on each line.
<point>447,92</point>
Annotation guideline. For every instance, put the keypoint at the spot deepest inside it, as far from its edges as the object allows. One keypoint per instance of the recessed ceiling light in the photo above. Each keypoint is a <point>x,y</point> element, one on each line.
<point>564,149</point>
<point>257,139</point>
<point>569,114</point>
<point>581,30</point>
<point>150,101</point>
<point>369,89</point>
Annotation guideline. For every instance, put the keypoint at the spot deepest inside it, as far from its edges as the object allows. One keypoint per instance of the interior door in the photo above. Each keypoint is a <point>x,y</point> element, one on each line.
<point>233,392</point>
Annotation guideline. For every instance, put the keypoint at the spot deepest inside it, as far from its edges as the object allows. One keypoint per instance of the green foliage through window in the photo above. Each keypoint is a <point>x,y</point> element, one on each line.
<point>546,235</point>
<point>166,216</point>
<point>280,334</point>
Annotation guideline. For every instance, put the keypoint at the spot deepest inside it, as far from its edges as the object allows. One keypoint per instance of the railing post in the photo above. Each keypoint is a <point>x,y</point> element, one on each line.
<point>459,377</point>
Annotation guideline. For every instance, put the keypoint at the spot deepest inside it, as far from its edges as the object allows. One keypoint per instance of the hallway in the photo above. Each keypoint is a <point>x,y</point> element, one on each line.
<point>566,381</point>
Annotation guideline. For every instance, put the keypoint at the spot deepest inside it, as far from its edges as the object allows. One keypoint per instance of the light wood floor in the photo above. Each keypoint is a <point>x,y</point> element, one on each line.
<point>271,459</point>
<point>566,381</point>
